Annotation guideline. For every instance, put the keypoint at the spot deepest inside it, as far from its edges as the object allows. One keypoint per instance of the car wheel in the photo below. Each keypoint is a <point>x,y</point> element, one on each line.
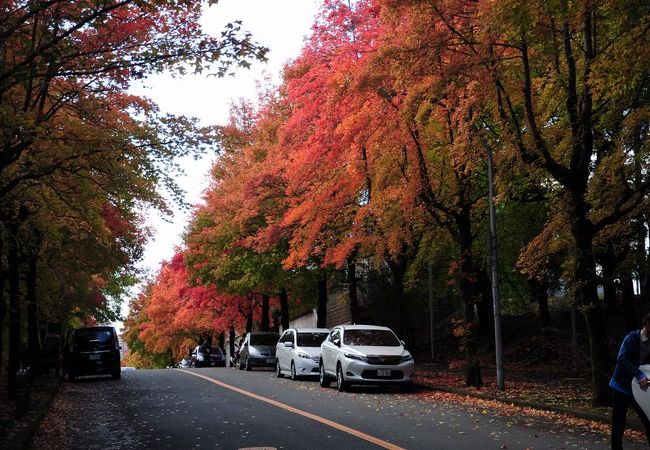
<point>278,371</point>
<point>117,374</point>
<point>341,384</point>
<point>323,378</point>
<point>71,376</point>
<point>294,375</point>
<point>406,387</point>
<point>248,365</point>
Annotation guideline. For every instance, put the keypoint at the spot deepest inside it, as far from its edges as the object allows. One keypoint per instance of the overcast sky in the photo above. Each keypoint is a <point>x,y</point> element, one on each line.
<point>280,25</point>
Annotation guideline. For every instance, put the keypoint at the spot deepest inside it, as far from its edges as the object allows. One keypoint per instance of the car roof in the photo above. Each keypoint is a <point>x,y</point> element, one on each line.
<point>310,330</point>
<point>104,328</point>
<point>364,327</point>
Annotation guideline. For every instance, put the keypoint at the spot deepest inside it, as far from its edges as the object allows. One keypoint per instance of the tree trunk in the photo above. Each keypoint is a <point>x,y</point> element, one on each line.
<point>485,306</point>
<point>284,308</point>
<point>397,273</point>
<point>3,304</point>
<point>467,282</point>
<point>264,323</point>
<point>608,264</point>
<point>321,312</point>
<point>33,346</point>
<point>231,342</point>
<point>643,261</point>
<point>15,339</point>
<point>539,291</point>
<point>586,297</point>
<point>352,289</point>
<point>627,297</point>
<point>249,321</point>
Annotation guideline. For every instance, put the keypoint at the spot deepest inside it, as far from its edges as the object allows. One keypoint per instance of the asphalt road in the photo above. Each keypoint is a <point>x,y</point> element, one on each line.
<point>231,409</point>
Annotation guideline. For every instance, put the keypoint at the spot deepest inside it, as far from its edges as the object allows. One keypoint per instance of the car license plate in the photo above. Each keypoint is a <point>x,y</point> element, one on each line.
<point>94,357</point>
<point>383,372</point>
<point>270,360</point>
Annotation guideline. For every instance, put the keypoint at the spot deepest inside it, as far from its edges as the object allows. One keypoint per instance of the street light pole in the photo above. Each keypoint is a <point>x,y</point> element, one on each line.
<point>498,344</point>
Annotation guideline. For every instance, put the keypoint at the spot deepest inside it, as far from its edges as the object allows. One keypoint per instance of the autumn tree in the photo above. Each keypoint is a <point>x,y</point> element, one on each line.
<point>73,141</point>
<point>54,53</point>
<point>80,223</point>
<point>223,246</point>
<point>330,212</point>
<point>570,84</point>
<point>174,313</point>
<point>380,147</point>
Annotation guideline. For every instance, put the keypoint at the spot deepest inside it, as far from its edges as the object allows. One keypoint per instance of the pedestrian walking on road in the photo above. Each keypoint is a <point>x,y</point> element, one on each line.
<point>634,351</point>
<point>202,356</point>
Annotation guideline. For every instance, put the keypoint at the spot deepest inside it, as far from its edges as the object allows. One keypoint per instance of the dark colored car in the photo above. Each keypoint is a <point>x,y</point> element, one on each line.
<point>217,357</point>
<point>258,350</point>
<point>93,351</point>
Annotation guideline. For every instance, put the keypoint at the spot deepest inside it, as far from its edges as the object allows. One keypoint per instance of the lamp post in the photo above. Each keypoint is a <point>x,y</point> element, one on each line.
<point>498,344</point>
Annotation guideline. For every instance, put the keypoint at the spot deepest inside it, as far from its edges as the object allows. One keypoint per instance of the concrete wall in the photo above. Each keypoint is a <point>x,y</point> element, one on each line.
<point>305,321</point>
<point>338,308</point>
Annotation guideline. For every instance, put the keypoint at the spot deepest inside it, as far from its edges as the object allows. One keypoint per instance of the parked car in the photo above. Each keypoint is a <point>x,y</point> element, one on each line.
<point>364,354</point>
<point>258,350</point>
<point>93,351</point>
<point>217,357</point>
<point>298,352</point>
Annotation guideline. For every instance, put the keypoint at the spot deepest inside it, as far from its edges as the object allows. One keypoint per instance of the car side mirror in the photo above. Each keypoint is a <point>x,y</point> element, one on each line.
<point>288,344</point>
<point>403,343</point>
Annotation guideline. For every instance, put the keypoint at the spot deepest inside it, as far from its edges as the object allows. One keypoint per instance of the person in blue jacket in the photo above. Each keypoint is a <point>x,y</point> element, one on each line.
<point>634,351</point>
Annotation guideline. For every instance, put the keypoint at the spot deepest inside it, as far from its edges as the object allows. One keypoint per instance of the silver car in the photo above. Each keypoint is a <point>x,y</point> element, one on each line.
<point>298,352</point>
<point>258,350</point>
<point>365,354</point>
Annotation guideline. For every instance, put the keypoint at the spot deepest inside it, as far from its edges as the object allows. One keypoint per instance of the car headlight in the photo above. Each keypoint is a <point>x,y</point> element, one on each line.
<point>406,357</point>
<point>304,355</point>
<point>353,356</point>
<point>253,351</point>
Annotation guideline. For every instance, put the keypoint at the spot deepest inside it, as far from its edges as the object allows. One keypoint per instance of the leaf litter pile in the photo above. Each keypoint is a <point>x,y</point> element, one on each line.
<point>523,386</point>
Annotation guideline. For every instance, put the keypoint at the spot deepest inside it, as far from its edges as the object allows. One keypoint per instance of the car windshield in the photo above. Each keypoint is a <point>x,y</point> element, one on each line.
<point>215,351</point>
<point>311,339</point>
<point>264,339</point>
<point>94,339</point>
<point>362,338</point>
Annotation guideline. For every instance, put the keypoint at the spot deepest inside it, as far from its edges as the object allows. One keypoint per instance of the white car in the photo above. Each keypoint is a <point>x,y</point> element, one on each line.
<point>365,354</point>
<point>298,352</point>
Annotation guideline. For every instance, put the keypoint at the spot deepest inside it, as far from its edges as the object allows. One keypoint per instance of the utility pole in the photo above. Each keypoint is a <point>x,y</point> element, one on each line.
<point>498,343</point>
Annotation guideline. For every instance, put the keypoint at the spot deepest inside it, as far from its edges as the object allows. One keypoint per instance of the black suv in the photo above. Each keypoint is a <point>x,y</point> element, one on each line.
<point>93,351</point>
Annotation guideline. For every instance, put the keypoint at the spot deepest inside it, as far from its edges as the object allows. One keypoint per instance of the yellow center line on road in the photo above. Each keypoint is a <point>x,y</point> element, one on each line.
<point>300,412</point>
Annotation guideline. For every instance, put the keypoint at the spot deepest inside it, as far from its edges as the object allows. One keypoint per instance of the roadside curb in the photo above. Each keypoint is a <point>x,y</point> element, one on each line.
<point>632,422</point>
<point>37,411</point>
